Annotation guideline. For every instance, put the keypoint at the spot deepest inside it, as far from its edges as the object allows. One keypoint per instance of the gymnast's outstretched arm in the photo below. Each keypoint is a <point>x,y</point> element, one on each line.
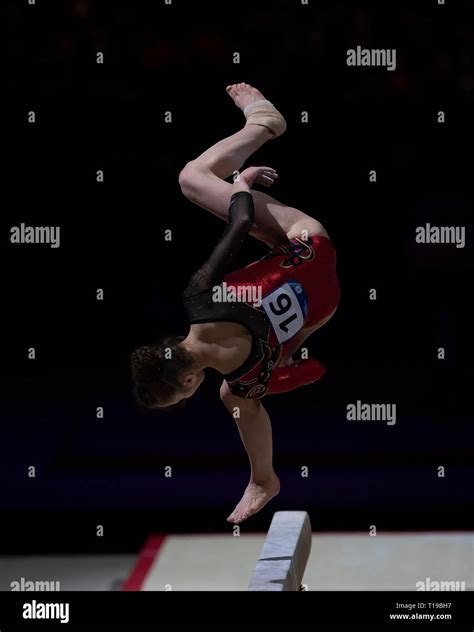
<point>241,215</point>
<point>240,219</point>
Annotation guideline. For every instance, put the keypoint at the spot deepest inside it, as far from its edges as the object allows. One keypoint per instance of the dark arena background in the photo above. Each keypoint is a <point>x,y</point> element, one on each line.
<point>95,146</point>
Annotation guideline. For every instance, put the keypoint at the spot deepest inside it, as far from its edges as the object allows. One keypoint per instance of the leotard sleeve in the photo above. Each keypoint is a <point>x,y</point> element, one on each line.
<point>241,216</point>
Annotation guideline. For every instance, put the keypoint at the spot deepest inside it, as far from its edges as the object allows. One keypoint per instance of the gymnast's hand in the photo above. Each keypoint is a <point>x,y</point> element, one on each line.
<point>259,175</point>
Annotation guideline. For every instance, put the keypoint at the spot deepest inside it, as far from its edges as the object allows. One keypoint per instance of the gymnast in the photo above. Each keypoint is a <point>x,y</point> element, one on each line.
<point>250,344</point>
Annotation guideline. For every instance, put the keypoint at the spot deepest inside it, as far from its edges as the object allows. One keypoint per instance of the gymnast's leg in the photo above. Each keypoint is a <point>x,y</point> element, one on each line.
<point>255,431</point>
<point>202,182</point>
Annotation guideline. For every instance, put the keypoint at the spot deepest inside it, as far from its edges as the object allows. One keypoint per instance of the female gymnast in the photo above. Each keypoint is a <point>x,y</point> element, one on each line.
<point>251,343</point>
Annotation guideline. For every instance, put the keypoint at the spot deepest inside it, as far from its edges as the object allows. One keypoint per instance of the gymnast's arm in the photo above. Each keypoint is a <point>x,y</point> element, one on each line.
<point>241,216</point>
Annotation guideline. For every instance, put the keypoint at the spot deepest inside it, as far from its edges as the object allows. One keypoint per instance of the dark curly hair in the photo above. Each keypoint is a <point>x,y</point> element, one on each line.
<point>157,371</point>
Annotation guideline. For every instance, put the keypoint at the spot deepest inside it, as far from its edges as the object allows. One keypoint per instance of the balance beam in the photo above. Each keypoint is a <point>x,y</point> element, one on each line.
<point>284,554</point>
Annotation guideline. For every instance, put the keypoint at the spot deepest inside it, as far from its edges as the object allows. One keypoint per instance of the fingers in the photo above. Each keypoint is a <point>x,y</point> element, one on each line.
<point>268,171</point>
<point>266,181</point>
<point>266,176</point>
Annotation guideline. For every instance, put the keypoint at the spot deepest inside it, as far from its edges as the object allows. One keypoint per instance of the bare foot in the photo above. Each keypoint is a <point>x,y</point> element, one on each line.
<point>243,94</point>
<point>255,497</point>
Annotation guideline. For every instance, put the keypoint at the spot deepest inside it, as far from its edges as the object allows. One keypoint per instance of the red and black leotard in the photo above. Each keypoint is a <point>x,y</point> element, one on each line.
<point>298,287</point>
